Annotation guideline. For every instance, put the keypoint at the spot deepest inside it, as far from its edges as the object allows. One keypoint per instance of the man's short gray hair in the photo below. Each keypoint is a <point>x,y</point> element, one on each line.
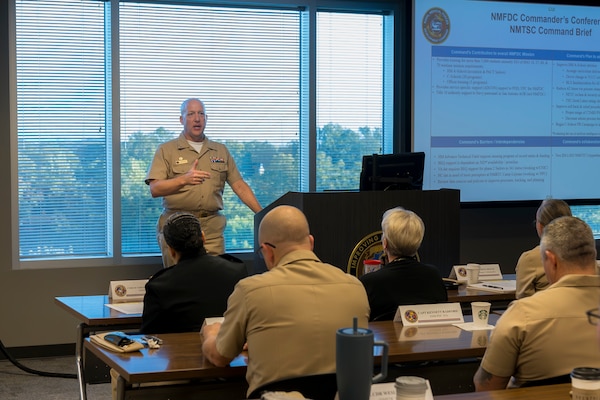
<point>184,105</point>
<point>570,239</point>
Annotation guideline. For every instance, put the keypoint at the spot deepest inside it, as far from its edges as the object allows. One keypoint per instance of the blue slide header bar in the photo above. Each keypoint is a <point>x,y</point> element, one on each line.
<point>515,141</point>
<point>520,54</point>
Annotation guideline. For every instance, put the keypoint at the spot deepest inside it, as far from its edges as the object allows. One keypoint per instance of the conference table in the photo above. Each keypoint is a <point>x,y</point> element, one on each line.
<point>465,295</point>
<point>180,356</point>
<point>95,316</point>
<point>548,392</point>
<point>462,294</point>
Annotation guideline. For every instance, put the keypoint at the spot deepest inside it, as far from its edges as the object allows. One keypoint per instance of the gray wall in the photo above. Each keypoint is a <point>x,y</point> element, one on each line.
<point>27,310</point>
<point>30,317</point>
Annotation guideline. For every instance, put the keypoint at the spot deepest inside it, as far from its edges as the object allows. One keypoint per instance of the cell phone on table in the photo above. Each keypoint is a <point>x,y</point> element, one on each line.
<point>118,338</point>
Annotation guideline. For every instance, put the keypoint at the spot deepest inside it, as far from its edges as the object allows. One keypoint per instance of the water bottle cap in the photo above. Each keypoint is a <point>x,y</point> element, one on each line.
<point>357,332</point>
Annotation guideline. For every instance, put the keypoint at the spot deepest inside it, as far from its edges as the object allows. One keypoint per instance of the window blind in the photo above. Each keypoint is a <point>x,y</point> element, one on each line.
<point>244,65</point>
<point>349,96</point>
<point>250,65</point>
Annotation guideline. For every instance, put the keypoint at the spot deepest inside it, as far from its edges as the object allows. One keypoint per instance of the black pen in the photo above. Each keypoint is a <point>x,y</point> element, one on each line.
<point>493,287</point>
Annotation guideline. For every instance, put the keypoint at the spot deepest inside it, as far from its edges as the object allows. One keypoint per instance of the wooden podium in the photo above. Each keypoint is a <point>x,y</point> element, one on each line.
<point>341,220</point>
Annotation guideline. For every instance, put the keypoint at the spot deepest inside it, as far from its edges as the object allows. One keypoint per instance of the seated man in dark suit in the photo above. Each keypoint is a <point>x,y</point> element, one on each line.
<point>547,334</point>
<point>403,280</point>
<point>178,298</point>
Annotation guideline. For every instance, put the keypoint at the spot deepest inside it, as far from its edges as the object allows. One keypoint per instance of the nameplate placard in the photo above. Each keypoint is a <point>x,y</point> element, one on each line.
<point>487,272</point>
<point>429,314</point>
<point>458,273</point>
<point>490,272</point>
<point>127,291</point>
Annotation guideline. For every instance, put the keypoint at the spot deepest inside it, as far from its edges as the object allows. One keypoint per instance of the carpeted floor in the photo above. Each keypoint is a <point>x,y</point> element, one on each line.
<point>16,384</point>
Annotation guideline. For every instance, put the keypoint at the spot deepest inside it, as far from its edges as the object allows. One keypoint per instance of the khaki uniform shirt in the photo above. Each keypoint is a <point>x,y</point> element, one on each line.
<point>531,276</point>
<point>176,157</point>
<point>289,316</point>
<point>547,334</point>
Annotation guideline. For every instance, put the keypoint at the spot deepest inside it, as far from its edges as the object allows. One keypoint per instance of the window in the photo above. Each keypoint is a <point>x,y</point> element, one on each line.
<point>64,151</point>
<point>87,134</point>
<point>349,96</point>
<point>244,65</point>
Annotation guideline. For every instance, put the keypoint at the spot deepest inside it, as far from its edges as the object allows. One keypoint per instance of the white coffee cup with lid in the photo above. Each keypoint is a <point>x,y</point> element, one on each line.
<point>585,383</point>
<point>472,272</point>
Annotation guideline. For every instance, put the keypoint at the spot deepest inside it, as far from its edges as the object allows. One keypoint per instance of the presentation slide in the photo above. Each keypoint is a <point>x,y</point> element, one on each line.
<point>506,98</point>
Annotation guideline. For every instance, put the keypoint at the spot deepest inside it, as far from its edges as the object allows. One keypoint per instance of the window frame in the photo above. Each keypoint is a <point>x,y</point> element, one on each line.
<point>396,14</point>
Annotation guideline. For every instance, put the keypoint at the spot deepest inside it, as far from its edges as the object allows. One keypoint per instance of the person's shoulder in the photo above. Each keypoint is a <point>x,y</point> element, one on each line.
<point>374,276</point>
<point>174,142</point>
<point>431,269</point>
<point>519,311</point>
<point>341,275</point>
<point>161,275</point>
<point>228,262</point>
<point>231,258</point>
<point>578,281</point>
<point>530,255</point>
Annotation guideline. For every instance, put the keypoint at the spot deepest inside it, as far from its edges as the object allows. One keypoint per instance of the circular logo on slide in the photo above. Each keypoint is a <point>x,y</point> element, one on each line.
<point>436,25</point>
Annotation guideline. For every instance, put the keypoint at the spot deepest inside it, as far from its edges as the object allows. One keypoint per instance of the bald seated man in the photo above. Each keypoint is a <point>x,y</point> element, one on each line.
<point>546,335</point>
<point>288,315</point>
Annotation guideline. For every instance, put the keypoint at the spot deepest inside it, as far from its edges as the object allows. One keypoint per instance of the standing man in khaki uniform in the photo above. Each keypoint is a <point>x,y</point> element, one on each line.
<point>189,173</point>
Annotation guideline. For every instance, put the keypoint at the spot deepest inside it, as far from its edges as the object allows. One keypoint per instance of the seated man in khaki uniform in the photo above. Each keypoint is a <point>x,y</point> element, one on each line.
<point>547,335</point>
<point>290,314</point>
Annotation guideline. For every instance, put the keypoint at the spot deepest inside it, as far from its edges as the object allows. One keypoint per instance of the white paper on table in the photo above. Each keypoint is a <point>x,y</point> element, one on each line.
<point>506,286</point>
<point>128,308</point>
<point>387,391</point>
<point>470,326</point>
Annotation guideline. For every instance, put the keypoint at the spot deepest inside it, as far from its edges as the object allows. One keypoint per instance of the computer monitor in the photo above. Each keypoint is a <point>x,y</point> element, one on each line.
<point>401,171</point>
